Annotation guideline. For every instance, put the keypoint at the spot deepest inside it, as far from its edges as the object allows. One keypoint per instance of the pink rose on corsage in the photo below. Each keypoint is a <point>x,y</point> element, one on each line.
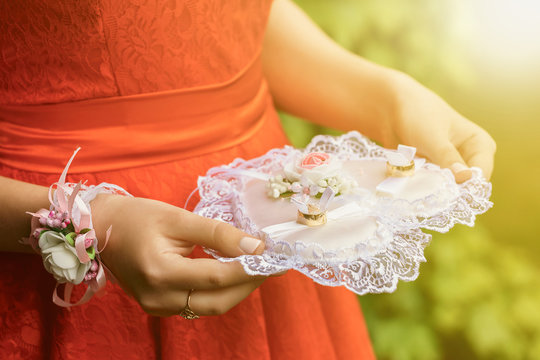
<point>314,159</point>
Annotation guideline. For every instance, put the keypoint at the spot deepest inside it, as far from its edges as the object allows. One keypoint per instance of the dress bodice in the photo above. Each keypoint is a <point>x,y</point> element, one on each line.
<point>155,92</point>
<point>58,51</point>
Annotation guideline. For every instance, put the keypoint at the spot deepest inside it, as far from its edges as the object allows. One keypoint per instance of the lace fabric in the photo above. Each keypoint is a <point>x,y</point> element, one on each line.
<point>374,264</point>
<point>57,51</point>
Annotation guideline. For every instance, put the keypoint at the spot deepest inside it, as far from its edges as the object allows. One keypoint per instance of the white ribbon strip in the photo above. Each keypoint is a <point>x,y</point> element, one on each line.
<point>302,202</point>
<point>348,210</point>
<point>326,198</point>
<point>402,156</point>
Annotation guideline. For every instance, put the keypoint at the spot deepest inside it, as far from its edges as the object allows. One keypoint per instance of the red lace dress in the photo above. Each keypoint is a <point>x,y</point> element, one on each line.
<point>155,92</point>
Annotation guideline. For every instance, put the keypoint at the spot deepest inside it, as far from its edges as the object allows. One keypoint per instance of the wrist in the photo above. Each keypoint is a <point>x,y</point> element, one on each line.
<point>376,94</point>
<point>14,223</point>
<point>64,235</point>
<point>100,215</point>
<point>104,206</point>
<point>401,88</point>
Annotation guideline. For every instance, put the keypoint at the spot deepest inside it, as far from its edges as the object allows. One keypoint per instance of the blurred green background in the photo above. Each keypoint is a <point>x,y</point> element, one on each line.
<point>478,296</point>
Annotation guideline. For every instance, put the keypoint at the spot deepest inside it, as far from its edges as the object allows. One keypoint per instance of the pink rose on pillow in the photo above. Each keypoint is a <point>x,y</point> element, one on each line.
<point>314,159</point>
<point>311,168</point>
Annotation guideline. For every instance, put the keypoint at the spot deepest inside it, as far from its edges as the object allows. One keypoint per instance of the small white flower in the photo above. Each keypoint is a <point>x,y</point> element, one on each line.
<point>322,183</point>
<point>296,187</point>
<point>282,187</point>
<point>332,181</point>
<point>313,190</point>
<point>60,258</point>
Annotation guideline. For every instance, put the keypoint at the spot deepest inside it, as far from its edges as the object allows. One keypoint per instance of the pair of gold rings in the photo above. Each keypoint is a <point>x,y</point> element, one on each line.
<point>187,313</point>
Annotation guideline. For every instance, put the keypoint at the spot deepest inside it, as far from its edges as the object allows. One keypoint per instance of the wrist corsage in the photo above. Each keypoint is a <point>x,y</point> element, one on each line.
<point>65,238</point>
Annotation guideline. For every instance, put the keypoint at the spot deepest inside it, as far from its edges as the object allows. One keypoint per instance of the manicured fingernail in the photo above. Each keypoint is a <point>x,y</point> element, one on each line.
<point>461,172</point>
<point>249,244</point>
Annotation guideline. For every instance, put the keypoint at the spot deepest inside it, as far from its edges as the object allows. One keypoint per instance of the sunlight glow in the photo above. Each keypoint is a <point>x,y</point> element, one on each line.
<point>505,32</point>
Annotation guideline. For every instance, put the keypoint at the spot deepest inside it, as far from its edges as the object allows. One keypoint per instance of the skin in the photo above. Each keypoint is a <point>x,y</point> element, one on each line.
<point>309,76</point>
<point>312,77</point>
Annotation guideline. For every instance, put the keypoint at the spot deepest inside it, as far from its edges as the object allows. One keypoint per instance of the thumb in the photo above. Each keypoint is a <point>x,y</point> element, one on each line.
<point>447,156</point>
<point>217,235</point>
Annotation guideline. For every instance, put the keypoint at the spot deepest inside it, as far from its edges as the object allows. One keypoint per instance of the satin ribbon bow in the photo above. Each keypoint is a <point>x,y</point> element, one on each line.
<point>403,156</point>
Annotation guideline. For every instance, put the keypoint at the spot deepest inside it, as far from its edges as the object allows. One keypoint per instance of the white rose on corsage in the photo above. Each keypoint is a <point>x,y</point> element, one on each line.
<point>60,258</point>
<point>310,174</point>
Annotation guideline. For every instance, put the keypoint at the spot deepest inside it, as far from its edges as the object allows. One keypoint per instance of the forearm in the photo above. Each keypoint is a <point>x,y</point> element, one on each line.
<point>312,77</point>
<point>16,198</point>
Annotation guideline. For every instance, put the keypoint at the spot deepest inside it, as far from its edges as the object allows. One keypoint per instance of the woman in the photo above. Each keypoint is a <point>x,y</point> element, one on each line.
<point>155,93</point>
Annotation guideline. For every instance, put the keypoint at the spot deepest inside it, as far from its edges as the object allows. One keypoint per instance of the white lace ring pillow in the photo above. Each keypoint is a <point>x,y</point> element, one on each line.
<point>371,237</point>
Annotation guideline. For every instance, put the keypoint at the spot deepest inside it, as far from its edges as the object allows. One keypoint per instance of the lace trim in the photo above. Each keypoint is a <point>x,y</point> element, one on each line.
<point>373,270</point>
<point>472,197</point>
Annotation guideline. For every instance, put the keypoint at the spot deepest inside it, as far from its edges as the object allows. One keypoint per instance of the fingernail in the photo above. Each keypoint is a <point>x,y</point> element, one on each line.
<point>461,172</point>
<point>249,244</point>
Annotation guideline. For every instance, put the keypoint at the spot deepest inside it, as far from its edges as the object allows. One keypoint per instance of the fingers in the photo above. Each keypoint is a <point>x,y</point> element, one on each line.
<point>206,273</point>
<point>446,155</point>
<point>214,234</point>
<point>202,302</point>
<point>166,281</point>
<point>218,302</point>
<point>461,172</point>
<point>221,285</point>
<point>479,150</point>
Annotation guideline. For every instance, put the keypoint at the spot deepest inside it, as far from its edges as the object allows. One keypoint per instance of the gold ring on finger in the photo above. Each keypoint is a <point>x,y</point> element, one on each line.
<point>187,313</point>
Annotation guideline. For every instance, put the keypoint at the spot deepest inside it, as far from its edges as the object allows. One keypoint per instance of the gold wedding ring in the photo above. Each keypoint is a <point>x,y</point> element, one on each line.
<point>311,219</point>
<point>187,313</point>
<point>399,171</point>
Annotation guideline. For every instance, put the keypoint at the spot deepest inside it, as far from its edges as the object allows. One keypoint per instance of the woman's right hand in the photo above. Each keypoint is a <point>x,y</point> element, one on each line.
<point>147,253</point>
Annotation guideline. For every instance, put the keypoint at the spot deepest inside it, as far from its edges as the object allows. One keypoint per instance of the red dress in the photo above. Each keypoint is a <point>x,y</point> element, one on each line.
<point>155,92</point>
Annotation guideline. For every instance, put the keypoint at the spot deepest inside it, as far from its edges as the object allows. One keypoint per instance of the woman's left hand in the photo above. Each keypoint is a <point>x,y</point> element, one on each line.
<point>312,77</point>
<point>422,119</point>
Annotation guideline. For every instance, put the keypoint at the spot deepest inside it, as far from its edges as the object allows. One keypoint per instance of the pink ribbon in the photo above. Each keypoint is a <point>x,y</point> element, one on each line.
<point>96,286</point>
<point>65,202</point>
<point>80,245</point>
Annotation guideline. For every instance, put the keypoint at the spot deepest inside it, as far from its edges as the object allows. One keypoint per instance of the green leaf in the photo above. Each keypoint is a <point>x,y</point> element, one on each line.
<point>91,252</point>
<point>71,238</point>
<point>286,194</point>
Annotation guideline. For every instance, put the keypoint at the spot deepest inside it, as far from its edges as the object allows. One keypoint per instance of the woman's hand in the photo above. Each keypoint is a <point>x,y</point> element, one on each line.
<point>422,119</point>
<point>148,249</point>
<point>312,77</point>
